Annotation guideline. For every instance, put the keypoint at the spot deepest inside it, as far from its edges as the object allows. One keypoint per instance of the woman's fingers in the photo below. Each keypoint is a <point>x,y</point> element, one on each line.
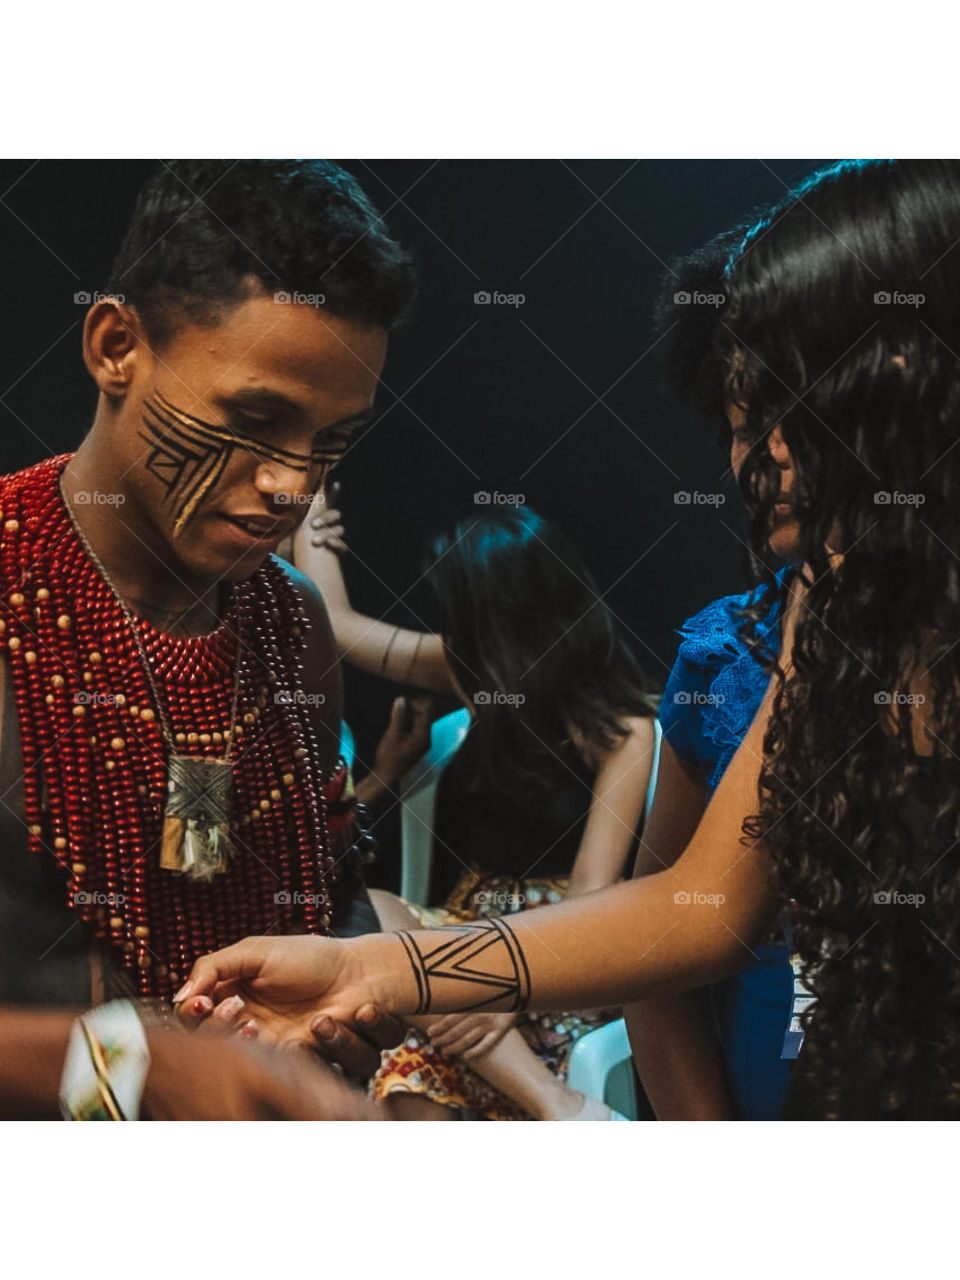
<point>489,1041</point>
<point>325,518</point>
<point>456,1043</point>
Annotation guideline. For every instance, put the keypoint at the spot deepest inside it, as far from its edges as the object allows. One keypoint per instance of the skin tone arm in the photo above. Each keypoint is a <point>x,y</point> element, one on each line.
<point>396,653</point>
<point>619,790</point>
<point>674,1044</point>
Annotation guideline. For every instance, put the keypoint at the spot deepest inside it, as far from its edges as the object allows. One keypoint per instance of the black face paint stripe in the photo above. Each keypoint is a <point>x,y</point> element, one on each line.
<point>188,456</point>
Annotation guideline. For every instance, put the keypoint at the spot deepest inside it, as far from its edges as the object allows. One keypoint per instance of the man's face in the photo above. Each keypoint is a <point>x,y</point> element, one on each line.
<point>225,434</point>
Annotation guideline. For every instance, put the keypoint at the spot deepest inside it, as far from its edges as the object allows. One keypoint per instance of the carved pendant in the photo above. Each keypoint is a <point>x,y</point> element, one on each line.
<point>196,821</point>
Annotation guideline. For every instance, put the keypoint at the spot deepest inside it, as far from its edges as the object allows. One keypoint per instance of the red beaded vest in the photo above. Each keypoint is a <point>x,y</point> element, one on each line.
<point>95,760</point>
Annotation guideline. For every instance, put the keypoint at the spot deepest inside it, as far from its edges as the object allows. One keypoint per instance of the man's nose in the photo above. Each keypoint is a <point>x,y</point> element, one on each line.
<point>273,479</point>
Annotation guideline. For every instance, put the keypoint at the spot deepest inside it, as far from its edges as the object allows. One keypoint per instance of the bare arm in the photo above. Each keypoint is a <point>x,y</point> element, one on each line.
<point>396,653</point>
<point>674,1044</point>
<point>618,795</point>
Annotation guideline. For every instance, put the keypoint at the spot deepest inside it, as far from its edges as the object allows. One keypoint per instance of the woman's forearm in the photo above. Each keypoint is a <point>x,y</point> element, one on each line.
<point>630,942</point>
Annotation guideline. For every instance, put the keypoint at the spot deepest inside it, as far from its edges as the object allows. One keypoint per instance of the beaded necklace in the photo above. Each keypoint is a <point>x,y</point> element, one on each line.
<point>96,764</point>
<point>196,823</point>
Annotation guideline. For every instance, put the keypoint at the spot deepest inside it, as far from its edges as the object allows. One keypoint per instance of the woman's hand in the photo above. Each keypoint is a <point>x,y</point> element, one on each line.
<point>470,1035</point>
<point>291,987</point>
<point>405,739</point>
<point>326,521</point>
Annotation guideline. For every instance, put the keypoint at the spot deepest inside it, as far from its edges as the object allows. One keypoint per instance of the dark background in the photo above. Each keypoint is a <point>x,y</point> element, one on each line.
<point>559,399</point>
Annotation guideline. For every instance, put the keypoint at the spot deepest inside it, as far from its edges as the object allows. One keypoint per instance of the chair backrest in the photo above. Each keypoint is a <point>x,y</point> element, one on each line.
<point>347,745</point>
<point>418,794</point>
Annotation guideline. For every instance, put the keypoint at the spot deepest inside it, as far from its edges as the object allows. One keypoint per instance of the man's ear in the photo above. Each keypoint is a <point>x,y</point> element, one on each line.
<point>112,339</point>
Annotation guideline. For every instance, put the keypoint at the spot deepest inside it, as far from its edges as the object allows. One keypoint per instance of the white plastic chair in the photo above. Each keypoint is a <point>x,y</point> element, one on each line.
<point>347,745</point>
<point>418,794</point>
<point>601,1062</point>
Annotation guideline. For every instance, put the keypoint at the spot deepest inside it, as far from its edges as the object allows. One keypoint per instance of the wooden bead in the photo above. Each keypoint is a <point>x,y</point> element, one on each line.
<point>43,594</point>
<point>117,743</point>
<point>16,599</point>
<point>57,681</point>
<point>13,642</point>
<point>79,710</point>
<point>64,622</point>
<point>95,659</point>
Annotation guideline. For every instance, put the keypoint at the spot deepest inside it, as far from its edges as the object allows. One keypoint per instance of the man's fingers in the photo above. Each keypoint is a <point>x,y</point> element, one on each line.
<point>337,1043</point>
<point>383,1029</point>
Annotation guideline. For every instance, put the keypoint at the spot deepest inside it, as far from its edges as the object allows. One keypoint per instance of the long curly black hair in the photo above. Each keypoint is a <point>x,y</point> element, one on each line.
<point>840,321</point>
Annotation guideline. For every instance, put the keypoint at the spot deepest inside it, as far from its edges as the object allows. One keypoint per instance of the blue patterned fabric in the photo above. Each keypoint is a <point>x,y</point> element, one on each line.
<point>713,692</point>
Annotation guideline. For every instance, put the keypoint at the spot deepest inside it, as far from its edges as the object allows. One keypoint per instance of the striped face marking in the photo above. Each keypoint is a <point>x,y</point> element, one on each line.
<point>188,456</point>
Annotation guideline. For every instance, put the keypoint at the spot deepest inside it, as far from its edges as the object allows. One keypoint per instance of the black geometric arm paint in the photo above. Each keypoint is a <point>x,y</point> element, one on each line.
<point>477,966</point>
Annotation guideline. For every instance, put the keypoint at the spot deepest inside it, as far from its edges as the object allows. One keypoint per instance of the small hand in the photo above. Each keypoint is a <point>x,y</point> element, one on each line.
<point>326,521</point>
<point>405,739</point>
<point>470,1035</point>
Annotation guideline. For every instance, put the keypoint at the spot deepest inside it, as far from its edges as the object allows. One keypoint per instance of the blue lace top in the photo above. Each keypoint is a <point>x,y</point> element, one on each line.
<point>716,685</point>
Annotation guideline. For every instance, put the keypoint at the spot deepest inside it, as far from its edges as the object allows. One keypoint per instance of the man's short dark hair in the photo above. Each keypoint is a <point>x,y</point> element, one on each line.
<point>208,234</point>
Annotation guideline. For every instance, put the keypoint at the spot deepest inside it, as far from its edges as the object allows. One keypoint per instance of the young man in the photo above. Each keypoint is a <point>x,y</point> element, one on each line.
<point>170,694</point>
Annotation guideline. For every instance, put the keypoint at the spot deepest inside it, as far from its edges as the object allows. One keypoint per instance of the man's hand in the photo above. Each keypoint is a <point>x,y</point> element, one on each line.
<point>222,1078</point>
<point>470,1035</point>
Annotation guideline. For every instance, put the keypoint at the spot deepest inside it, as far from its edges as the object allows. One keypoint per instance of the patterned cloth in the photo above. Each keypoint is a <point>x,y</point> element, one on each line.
<point>416,1067</point>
